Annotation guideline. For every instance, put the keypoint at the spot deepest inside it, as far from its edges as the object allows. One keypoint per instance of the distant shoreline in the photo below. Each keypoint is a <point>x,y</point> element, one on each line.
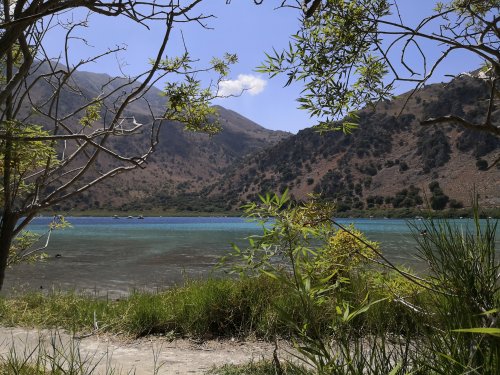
<point>404,213</point>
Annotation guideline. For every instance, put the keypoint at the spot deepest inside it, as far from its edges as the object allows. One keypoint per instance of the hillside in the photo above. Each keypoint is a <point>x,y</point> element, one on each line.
<point>389,161</point>
<point>182,163</point>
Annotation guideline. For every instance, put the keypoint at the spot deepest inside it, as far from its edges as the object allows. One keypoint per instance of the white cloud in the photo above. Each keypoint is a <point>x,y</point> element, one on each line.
<point>245,83</point>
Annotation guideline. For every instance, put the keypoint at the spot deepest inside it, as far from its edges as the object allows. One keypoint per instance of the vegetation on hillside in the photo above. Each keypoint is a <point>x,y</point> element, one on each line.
<point>388,157</point>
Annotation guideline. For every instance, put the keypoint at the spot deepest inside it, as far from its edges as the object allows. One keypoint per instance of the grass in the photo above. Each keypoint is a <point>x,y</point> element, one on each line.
<point>224,308</point>
<point>206,308</point>
<point>263,367</point>
<point>408,329</point>
<point>209,308</point>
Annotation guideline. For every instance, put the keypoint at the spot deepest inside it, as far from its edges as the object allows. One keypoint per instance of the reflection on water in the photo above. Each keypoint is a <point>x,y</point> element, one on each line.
<point>116,255</point>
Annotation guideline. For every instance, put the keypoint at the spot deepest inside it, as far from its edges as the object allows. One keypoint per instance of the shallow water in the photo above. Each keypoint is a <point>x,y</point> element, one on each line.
<point>117,255</point>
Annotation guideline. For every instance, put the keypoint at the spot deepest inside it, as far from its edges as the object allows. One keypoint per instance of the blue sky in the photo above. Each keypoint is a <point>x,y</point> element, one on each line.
<point>240,27</point>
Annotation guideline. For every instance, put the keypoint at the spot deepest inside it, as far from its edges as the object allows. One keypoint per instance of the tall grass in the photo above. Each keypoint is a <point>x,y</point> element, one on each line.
<point>207,308</point>
<point>462,264</point>
<point>263,367</point>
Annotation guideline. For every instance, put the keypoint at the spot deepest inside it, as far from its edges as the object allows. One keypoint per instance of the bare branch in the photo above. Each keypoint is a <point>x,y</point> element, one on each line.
<point>488,128</point>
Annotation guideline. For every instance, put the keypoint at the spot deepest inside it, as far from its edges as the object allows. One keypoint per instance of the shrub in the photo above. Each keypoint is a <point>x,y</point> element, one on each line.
<point>482,164</point>
<point>343,253</point>
<point>439,201</point>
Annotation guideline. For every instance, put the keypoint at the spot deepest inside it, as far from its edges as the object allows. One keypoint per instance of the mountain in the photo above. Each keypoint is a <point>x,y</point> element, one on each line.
<point>182,163</point>
<point>390,160</point>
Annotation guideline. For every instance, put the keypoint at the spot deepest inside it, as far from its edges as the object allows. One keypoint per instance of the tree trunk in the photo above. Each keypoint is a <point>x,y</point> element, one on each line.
<point>9,219</point>
<point>7,226</point>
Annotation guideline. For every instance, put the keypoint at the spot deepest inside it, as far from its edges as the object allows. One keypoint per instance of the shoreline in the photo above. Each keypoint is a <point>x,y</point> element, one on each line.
<point>492,213</point>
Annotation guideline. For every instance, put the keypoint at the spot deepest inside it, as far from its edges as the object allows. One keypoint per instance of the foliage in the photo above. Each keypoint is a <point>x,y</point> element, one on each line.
<point>21,246</point>
<point>461,291</point>
<point>434,149</point>
<point>464,269</point>
<point>187,102</point>
<point>439,199</point>
<point>350,53</point>
<point>92,114</point>
<point>205,308</point>
<point>262,367</point>
<point>344,253</point>
<point>406,198</point>
<point>27,246</point>
<point>482,165</point>
<point>24,162</point>
<point>334,44</point>
<point>462,260</point>
<point>478,143</point>
<point>301,250</point>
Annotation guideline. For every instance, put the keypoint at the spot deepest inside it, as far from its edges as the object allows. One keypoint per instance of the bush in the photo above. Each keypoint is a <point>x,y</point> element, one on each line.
<point>439,202</point>
<point>343,254</point>
<point>455,204</point>
<point>438,199</point>
<point>403,166</point>
<point>434,149</point>
<point>482,164</point>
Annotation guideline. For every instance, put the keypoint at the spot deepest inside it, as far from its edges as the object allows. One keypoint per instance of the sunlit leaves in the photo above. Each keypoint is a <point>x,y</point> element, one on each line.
<point>27,154</point>
<point>221,66</point>
<point>92,114</point>
<point>349,53</point>
<point>344,252</point>
<point>333,54</point>
<point>472,6</point>
<point>19,250</point>
<point>188,102</point>
<point>26,158</point>
<point>28,246</point>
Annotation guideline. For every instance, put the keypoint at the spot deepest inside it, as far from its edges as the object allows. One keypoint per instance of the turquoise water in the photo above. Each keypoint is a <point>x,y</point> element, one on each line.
<point>116,255</point>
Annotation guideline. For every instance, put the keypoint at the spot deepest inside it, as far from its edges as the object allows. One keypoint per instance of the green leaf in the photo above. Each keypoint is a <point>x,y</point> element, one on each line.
<point>396,369</point>
<point>483,331</point>
<point>270,274</point>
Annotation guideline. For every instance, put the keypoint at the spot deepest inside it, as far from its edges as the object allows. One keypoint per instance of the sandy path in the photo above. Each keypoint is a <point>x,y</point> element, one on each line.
<point>137,356</point>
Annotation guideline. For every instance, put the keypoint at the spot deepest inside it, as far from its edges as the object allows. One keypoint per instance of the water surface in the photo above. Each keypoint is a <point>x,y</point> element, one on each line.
<point>117,255</point>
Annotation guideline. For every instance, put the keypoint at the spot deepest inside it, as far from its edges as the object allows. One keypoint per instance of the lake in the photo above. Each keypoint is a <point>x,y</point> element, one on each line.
<point>116,255</point>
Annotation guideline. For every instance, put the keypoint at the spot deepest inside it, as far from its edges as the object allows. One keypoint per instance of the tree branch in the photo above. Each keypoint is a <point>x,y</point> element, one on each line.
<point>488,128</point>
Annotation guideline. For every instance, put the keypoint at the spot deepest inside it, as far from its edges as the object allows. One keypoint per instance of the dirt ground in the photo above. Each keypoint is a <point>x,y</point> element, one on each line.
<point>179,356</point>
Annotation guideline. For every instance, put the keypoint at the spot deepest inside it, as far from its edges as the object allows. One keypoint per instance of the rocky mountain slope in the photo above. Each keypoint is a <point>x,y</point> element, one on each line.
<point>389,161</point>
<point>183,162</point>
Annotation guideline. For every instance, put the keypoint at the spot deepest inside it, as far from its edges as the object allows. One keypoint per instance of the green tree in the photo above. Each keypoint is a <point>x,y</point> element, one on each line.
<point>439,199</point>
<point>51,151</point>
<point>350,53</point>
